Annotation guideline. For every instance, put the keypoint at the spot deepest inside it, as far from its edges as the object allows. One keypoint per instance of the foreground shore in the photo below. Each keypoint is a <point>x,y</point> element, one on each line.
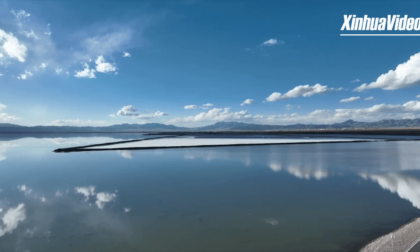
<point>400,240</point>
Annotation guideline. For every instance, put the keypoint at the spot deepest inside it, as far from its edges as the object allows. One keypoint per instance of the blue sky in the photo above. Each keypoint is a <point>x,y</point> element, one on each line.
<point>193,63</point>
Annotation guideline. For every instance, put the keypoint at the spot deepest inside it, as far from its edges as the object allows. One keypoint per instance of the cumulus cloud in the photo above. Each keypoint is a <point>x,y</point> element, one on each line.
<point>408,110</point>
<point>128,110</point>
<point>10,46</point>
<point>369,98</point>
<point>77,122</point>
<point>150,116</point>
<point>204,106</point>
<point>24,75</point>
<point>354,98</point>
<point>104,67</point>
<point>270,42</point>
<point>43,66</point>
<point>216,114</point>
<point>86,191</point>
<point>12,218</point>
<point>404,75</point>
<point>191,107</point>
<point>102,198</point>
<point>301,90</point>
<point>5,117</point>
<point>247,101</point>
<point>86,72</point>
<point>126,54</point>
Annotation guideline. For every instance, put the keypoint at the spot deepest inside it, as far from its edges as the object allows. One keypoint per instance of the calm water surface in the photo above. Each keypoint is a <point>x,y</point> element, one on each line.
<point>317,197</point>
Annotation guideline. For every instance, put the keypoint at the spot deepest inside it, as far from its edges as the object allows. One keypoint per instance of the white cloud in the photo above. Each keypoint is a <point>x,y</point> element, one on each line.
<point>354,98</point>
<point>86,191</point>
<point>270,42</point>
<point>301,90</point>
<point>191,107</point>
<point>20,14</point>
<point>354,81</point>
<point>10,46</point>
<point>405,75</point>
<point>247,101</point>
<point>128,110</point>
<point>43,66</point>
<point>418,96</point>
<point>86,72</point>
<point>102,198</point>
<point>216,114</point>
<point>2,106</point>
<point>30,34</point>
<point>204,106</point>
<point>147,117</point>
<point>77,122</point>
<point>104,67</point>
<point>126,54</point>
<point>24,75</point>
<point>408,110</point>
<point>58,70</point>
<point>112,115</point>
<point>369,98</point>
<point>12,218</point>
<point>126,210</point>
<point>5,117</point>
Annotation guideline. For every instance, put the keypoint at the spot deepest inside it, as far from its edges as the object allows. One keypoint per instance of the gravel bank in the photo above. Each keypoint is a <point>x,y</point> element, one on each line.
<point>405,237</point>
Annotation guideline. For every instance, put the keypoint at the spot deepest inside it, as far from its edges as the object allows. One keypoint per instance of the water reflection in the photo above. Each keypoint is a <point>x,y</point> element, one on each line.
<point>239,198</point>
<point>407,187</point>
<point>30,215</point>
<point>387,164</point>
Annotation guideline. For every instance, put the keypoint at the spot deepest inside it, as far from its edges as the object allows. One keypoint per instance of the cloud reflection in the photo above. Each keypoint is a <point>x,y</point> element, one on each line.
<point>405,186</point>
<point>300,172</point>
<point>125,154</point>
<point>11,219</point>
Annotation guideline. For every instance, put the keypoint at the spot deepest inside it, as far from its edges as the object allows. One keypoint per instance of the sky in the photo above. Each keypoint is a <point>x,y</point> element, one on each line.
<point>198,62</point>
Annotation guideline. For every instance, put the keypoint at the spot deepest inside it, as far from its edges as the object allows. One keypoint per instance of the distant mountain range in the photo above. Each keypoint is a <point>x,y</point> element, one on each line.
<point>220,126</point>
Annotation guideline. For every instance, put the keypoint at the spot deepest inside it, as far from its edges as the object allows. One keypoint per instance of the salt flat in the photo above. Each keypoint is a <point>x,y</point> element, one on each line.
<point>206,142</point>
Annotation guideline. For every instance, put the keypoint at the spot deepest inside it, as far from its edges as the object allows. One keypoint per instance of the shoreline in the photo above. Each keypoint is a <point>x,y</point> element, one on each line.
<point>406,237</point>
